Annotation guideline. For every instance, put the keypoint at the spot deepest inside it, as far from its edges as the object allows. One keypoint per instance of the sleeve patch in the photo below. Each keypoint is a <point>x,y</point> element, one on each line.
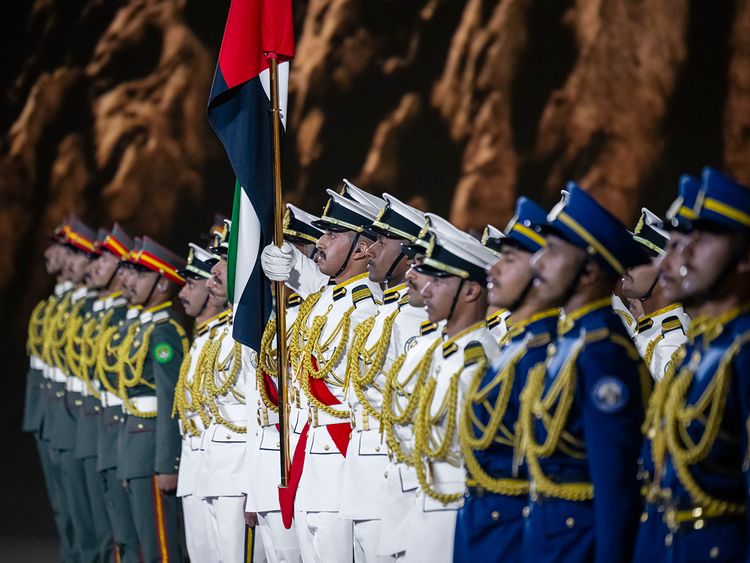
<point>609,394</point>
<point>163,353</point>
<point>473,353</point>
<point>360,293</point>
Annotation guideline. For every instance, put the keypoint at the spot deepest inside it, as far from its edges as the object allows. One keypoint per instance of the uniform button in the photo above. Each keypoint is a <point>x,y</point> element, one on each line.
<point>495,515</point>
<point>278,444</point>
<point>326,447</point>
<point>644,517</point>
<point>385,475</point>
<point>526,511</point>
<point>115,417</point>
<point>229,436</point>
<point>570,522</point>
<point>714,553</point>
<point>698,524</point>
<point>668,540</point>
<point>140,427</point>
<point>79,403</point>
<point>377,448</point>
<point>176,467</point>
<point>97,409</point>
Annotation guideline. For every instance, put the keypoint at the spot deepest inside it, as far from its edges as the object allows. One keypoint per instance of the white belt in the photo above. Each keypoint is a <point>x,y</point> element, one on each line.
<point>362,420</point>
<point>110,399</point>
<point>143,404</point>
<point>36,363</point>
<point>58,375</point>
<point>267,417</point>
<point>74,385</point>
<point>318,417</point>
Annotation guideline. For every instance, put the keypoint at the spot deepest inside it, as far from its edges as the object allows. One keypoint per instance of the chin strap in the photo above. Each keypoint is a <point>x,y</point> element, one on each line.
<point>153,288</point>
<point>112,277</point>
<point>396,262</point>
<point>348,255</point>
<point>571,289</point>
<point>455,301</point>
<point>522,297</point>
<point>650,291</point>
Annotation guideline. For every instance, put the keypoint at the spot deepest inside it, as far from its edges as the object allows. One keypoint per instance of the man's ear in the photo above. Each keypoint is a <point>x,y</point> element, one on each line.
<point>362,245</point>
<point>162,285</point>
<point>472,291</point>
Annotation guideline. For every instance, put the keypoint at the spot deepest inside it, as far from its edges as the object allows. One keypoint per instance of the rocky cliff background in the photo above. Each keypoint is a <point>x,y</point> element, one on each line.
<point>457,105</point>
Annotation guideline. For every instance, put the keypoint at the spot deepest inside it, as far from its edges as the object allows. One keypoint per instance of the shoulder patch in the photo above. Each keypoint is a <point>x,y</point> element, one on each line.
<point>293,300</point>
<point>494,321</point>
<point>473,353</point>
<point>338,293</point>
<point>390,297</point>
<point>163,353</point>
<point>360,293</point>
<point>609,394</point>
<point>160,317</point>
<point>410,343</point>
<point>449,349</point>
<point>427,327</point>
<point>645,324</point>
<point>671,324</point>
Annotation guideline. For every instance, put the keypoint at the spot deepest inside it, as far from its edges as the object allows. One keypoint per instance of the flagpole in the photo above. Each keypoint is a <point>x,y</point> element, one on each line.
<point>280,305</point>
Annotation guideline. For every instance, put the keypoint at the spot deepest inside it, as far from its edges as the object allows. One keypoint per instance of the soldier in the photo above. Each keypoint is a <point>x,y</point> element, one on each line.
<point>581,412</point>
<point>40,390</point>
<point>117,317</point>
<point>223,385</point>
<point>661,328</point>
<point>400,395</point>
<point>497,318</point>
<point>196,303</point>
<point>263,461</point>
<point>490,523</point>
<point>376,345</point>
<point>335,310</point>
<point>697,425</point>
<point>79,242</point>
<point>149,439</point>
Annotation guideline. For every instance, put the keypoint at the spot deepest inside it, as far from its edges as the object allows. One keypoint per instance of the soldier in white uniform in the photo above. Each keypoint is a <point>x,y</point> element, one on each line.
<point>662,328</point>
<point>378,343</point>
<point>456,294</point>
<point>318,461</point>
<point>498,317</point>
<point>263,463</point>
<point>196,303</point>
<point>223,383</point>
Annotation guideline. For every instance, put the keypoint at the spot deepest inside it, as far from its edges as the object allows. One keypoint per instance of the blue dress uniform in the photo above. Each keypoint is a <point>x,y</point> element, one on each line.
<point>653,530</point>
<point>149,438</point>
<point>581,414</point>
<point>699,461</point>
<point>490,523</point>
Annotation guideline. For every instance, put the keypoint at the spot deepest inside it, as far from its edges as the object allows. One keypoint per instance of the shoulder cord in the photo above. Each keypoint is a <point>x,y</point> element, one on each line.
<point>72,348</point>
<point>35,335</point>
<point>534,406</point>
<point>50,322</point>
<point>215,366</point>
<point>179,407</point>
<point>393,390</point>
<point>90,337</point>
<point>298,331</point>
<point>373,357</point>
<point>108,349</point>
<point>203,371</point>
<point>678,417</point>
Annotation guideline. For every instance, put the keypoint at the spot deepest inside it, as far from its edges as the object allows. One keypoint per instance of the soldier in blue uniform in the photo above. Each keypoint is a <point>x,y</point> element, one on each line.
<point>582,412</point>
<point>490,523</point>
<point>700,443</point>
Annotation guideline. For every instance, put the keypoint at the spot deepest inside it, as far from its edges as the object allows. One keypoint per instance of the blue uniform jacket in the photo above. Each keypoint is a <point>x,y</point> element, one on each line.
<point>490,525</point>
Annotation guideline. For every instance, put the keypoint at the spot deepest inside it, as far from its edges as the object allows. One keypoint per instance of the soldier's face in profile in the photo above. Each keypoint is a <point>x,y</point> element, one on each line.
<point>380,258</point>
<point>638,281</point>
<point>75,265</point>
<point>193,296</point>
<point>332,250</point>
<point>102,269</point>
<point>670,266</point>
<point>508,278</point>
<point>555,269</point>
<point>53,258</point>
<point>708,258</point>
<point>141,285</point>
<point>125,274</point>
<point>439,293</point>
<point>415,282</point>
<point>217,284</point>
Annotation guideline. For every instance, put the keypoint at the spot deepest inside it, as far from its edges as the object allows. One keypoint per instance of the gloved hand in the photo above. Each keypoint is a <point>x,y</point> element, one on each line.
<point>278,262</point>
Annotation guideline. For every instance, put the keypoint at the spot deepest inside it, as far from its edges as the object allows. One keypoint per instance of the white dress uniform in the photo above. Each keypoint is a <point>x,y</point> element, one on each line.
<point>624,313</point>
<point>442,479</point>
<point>659,335</point>
<point>394,325</point>
<point>221,482</point>
<point>400,485</point>
<point>497,324</point>
<point>263,473</point>
<point>329,330</point>
<point>192,431</point>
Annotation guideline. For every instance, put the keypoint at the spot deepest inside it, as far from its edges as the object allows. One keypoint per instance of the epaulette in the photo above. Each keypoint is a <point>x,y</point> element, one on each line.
<point>360,293</point>
<point>293,300</point>
<point>338,293</point>
<point>449,348</point>
<point>390,297</point>
<point>537,340</point>
<point>160,317</point>
<point>671,324</point>
<point>202,329</point>
<point>473,353</point>
<point>427,327</point>
<point>494,320</point>
<point>645,324</point>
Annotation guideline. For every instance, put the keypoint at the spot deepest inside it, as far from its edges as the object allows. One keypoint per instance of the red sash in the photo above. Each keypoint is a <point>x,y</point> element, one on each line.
<point>340,434</point>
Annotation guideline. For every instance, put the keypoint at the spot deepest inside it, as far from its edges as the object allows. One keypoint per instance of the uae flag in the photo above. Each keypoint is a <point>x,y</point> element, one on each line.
<point>239,112</point>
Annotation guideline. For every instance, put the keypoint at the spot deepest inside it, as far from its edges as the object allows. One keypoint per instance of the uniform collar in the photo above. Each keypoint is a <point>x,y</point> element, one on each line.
<point>63,287</point>
<point>79,294</point>
<point>711,328</point>
<point>451,345</point>
<point>393,294</point>
<point>517,330</point>
<point>133,312</point>
<point>216,320</point>
<point>149,314</point>
<point>571,319</point>
<point>351,280</point>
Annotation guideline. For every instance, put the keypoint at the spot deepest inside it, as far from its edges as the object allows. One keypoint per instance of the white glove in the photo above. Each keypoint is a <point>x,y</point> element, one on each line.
<point>278,262</point>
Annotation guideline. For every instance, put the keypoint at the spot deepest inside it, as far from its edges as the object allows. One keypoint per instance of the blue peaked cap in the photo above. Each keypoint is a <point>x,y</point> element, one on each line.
<point>722,201</point>
<point>521,230</point>
<point>584,223</point>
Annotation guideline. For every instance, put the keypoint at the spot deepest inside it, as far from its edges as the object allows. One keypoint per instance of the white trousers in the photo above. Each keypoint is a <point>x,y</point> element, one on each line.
<point>281,545</point>
<point>431,537</point>
<point>366,536</point>
<point>324,537</point>
<point>225,526</point>
<point>196,536</point>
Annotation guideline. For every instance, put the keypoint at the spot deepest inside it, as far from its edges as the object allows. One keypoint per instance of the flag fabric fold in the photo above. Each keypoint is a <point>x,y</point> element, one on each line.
<point>239,112</point>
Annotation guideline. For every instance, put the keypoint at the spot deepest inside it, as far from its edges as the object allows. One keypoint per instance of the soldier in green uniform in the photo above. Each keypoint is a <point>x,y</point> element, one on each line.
<point>79,243</point>
<point>149,439</point>
<point>38,389</point>
<point>113,327</point>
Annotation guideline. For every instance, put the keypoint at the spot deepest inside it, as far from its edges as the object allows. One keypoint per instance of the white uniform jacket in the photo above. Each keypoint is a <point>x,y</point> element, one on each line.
<point>659,335</point>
